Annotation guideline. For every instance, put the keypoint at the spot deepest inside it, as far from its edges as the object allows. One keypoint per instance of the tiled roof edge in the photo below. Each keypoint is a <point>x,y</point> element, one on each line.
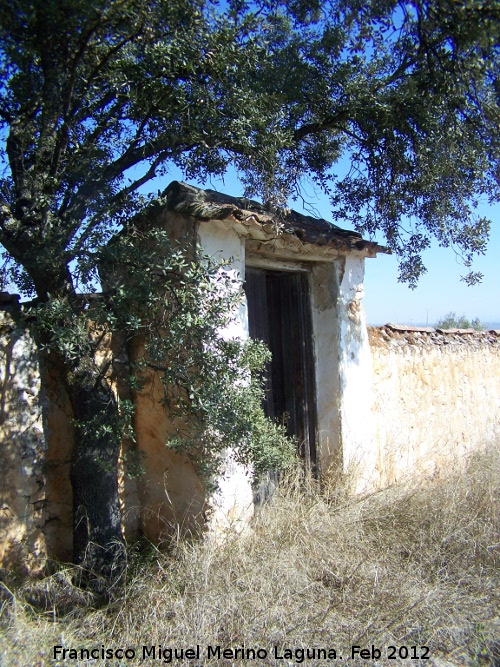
<point>213,205</point>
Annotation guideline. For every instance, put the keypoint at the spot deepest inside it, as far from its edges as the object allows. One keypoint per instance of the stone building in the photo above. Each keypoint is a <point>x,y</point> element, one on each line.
<point>303,280</point>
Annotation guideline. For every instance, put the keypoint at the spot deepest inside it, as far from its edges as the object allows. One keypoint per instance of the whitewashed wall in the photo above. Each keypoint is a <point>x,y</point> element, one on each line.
<point>355,375</point>
<point>231,507</point>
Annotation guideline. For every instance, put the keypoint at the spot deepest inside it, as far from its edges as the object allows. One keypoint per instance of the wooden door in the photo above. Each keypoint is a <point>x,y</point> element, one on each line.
<point>279,313</point>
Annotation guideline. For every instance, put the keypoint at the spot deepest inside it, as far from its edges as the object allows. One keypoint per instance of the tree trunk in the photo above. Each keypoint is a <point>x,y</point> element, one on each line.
<point>59,330</point>
<point>97,523</point>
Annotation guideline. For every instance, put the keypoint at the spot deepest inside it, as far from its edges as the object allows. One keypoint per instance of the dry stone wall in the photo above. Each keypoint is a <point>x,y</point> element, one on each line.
<point>436,397</point>
<point>22,451</point>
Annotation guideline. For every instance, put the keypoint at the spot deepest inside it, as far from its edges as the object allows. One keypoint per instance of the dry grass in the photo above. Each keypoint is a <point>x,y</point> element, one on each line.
<point>406,566</point>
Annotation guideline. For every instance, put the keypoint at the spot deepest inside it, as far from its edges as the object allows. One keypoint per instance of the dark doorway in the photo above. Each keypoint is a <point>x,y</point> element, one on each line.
<point>279,313</point>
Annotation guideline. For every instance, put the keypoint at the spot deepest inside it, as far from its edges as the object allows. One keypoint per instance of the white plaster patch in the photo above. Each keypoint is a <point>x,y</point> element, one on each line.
<point>222,244</point>
<point>231,506</point>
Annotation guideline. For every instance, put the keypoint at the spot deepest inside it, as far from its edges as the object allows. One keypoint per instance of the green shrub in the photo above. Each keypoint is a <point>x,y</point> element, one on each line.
<point>453,321</point>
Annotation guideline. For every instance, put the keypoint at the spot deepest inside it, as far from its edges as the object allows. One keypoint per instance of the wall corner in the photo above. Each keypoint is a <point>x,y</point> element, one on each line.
<point>357,428</point>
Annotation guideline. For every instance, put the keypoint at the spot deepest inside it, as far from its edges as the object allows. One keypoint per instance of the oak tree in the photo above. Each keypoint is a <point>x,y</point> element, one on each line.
<point>98,97</point>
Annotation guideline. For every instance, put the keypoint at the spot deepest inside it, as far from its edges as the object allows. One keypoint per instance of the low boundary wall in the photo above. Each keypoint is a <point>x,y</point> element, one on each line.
<point>436,397</point>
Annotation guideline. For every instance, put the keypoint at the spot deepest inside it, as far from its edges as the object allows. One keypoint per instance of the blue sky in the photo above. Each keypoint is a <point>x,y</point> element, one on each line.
<point>439,291</point>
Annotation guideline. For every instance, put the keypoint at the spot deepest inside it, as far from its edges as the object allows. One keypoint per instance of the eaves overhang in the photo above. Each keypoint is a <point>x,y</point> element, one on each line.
<point>253,220</point>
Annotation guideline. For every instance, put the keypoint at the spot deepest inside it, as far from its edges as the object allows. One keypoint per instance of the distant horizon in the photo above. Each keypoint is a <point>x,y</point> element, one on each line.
<point>488,325</point>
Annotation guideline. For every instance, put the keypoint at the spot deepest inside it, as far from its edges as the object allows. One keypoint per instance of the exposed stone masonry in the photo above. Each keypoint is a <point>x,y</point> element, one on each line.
<point>398,335</point>
<point>22,450</point>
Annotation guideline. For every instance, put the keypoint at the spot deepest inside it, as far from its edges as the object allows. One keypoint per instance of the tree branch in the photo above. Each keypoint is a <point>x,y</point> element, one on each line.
<point>329,123</point>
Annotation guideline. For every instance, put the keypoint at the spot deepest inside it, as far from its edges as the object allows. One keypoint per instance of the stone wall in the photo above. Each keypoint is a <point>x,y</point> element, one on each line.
<point>22,451</point>
<point>36,440</point>
<point>436,397</point>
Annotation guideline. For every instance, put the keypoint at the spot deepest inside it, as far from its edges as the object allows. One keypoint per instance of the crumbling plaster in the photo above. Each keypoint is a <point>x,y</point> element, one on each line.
<point>168,496</point>
<point>342,362</point>
<point>391,401</point>
<point>340,342</point>
<point>171,498</point>
<point>326,333</point>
